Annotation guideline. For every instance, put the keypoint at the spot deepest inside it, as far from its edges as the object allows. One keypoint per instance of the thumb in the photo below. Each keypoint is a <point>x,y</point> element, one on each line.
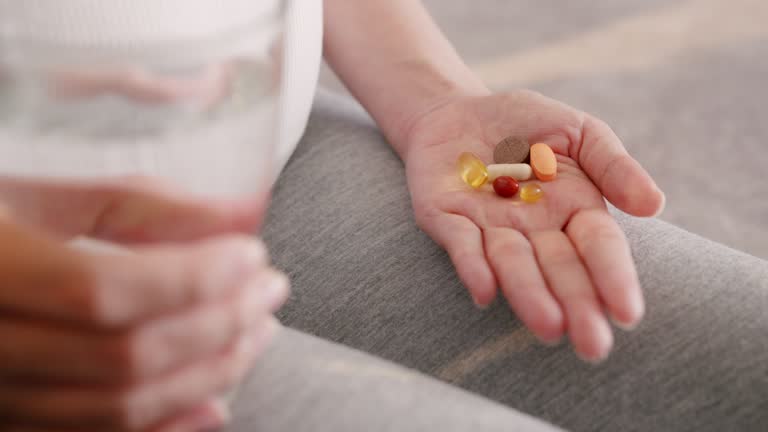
<point>129,210</point>
<point>619,177</point>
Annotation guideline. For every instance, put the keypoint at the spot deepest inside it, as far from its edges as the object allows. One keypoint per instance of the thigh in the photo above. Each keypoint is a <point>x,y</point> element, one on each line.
<point>304,384</point>
<point>364,275</point>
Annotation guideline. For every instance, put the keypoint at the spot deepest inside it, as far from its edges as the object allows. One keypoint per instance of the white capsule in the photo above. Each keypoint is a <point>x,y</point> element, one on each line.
<point>519,172</point>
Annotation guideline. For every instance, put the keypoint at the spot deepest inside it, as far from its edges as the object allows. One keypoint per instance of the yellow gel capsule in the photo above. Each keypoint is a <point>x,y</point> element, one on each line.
<point>472,170</point>
<point>531,193</point>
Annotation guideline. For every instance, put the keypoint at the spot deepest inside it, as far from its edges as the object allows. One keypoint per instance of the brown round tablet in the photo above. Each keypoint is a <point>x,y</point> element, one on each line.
<point>511,150</point>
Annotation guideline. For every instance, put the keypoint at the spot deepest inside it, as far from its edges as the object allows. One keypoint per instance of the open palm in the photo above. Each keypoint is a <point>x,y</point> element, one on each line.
<point>562,263</point>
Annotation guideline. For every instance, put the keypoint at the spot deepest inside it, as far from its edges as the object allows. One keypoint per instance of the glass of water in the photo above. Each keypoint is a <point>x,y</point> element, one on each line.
<point>184,91</point>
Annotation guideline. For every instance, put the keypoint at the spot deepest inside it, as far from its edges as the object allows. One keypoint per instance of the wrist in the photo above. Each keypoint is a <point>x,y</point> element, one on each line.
<point>395,60</point>
<point>427,89</point>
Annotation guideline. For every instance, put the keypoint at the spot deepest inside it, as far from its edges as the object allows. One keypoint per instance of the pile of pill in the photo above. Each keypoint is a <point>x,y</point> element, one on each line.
<point>511,166</point>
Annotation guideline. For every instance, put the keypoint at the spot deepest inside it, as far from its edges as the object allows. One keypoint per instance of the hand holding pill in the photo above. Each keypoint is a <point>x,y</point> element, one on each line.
<point>552,250</point>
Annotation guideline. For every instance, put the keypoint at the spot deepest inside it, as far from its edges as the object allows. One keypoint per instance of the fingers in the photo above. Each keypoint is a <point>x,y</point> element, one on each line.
<point>512,259</point>
<point>209,86</point>
<point>188,388</point>
<point>463,241</point>
<point>618,176</point>
<point>172,342</point>
<point>116,290</point>
<point>130,210</point>
<point>209,416</point>
<point>138,407</point>
<point>588,329</point>
<point>38,275</point>
<point>148,217</point>
<point>44,350</point>
<point>603,248</point>
<point>130,288</point>
<point>182,307</point>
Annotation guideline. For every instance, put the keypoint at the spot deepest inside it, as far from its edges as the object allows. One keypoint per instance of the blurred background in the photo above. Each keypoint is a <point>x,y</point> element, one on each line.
<point>684,83</point>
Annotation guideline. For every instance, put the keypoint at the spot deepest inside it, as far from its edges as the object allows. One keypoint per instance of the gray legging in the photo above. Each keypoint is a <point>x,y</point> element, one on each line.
<point>364,276</point>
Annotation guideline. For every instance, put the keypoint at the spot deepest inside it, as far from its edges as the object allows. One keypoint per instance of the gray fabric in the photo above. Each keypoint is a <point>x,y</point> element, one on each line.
<point>305,384</point>
<point>365,276</point>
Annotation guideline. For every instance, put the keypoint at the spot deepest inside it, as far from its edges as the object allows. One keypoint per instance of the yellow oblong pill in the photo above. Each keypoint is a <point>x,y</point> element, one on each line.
<point>472,170</point>
<point>543,162</point>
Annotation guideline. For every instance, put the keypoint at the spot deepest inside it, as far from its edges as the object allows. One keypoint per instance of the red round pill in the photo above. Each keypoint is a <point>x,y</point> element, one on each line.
<point>506,186</point>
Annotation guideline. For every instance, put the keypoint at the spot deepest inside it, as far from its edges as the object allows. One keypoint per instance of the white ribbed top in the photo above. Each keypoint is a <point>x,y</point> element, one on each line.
<point>138,24</point>
<point>127,22</point>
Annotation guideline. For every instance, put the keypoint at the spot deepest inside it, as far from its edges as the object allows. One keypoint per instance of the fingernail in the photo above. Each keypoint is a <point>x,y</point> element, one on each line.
<point>268,292</point>
<point>254,253</point>
<point>597,346</point>
<point>663,204</point>
<point>622,325</point>
<point>480,305</point>
<point>592,360</point>
<point>221,408</point>
<point>277,290</point>
<point>213,418</point>
<point>243,258</point>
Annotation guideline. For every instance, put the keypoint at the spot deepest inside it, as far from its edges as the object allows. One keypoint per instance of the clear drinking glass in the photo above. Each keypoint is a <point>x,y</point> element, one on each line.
<point>183,91</point>
<point>186,91</point>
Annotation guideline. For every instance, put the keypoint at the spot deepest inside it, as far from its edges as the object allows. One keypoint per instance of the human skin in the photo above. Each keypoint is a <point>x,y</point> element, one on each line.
<point>205,88</point>
<point>559,263</point>
<point>140,340</point>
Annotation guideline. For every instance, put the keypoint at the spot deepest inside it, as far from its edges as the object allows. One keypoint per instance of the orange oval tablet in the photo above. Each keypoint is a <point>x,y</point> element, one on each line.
<point>543,162</point>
